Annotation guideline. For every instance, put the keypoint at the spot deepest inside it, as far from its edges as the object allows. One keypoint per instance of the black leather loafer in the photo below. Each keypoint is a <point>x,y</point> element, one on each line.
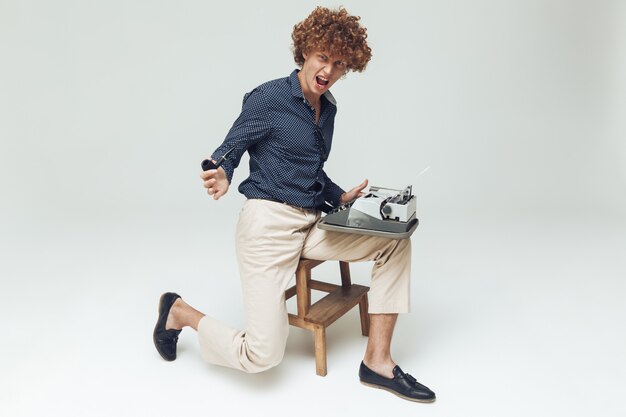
<point>403,385</point>
<point>165,340</point>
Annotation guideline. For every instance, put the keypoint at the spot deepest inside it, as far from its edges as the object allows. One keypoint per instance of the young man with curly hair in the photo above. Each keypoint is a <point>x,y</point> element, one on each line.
<point>286,126</point>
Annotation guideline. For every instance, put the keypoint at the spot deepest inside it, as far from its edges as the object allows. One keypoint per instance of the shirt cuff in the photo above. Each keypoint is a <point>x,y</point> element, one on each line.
<point>228,169</point>
<point>333,194</point>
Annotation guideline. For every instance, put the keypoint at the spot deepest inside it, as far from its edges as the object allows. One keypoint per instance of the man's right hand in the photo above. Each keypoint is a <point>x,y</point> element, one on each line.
<point>215,181</point>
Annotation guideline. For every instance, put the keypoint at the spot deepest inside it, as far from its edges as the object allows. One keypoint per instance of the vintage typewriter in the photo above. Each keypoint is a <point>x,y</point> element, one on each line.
<point>382,212</point>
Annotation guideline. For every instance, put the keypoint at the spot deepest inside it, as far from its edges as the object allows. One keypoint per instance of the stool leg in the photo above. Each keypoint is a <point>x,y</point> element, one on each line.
<point>303,292</point>
<point>365,318</point>
<point>320,350</point>
<point>344,269</point>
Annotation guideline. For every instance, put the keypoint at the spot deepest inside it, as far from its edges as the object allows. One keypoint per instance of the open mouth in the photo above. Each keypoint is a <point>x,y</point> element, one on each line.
<point>321,81</point>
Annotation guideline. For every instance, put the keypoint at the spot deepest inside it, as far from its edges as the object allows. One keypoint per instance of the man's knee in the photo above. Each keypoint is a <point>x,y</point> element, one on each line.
<point>398,248</point>
<point>264,357</point>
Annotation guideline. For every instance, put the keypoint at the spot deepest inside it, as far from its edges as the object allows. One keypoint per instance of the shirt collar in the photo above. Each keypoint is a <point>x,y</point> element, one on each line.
<point>296,89</point>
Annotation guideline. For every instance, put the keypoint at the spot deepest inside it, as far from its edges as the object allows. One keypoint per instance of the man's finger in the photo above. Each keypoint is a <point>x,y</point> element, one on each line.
<point>360,187</point>
<point>205,175</point>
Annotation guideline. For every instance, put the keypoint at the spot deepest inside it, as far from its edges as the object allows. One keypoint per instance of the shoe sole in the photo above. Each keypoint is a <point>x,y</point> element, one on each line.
<point>156,345</point>
<point>404,397</point>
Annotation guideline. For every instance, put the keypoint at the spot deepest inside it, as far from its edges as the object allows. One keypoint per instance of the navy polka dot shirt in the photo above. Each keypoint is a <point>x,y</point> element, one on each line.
<point>287,150</point>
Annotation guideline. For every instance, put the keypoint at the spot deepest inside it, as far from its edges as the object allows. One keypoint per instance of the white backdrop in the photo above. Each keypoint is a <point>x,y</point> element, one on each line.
<point>108,107</point>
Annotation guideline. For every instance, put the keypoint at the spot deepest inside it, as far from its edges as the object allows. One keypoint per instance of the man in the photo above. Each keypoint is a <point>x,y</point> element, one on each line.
<point>286,125</point>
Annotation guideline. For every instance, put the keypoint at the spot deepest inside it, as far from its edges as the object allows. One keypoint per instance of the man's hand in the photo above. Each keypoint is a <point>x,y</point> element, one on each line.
<point>215,181</point>
<point>353,194</point>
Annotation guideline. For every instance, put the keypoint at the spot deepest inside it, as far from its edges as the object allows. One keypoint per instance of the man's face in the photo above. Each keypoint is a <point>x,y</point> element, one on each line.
<point>320,71</point>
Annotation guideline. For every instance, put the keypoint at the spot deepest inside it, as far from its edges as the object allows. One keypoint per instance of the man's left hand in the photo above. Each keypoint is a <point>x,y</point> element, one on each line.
<point>353,194</point>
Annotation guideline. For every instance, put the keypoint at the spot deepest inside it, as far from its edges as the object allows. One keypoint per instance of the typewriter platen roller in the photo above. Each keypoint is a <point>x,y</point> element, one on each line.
<point>383,212</point>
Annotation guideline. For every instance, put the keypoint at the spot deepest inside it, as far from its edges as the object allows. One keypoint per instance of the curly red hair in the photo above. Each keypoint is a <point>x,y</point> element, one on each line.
<point>335,32</point>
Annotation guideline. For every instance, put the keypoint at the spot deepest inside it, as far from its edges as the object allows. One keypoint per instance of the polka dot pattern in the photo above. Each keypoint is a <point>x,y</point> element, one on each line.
<point>277,128</point>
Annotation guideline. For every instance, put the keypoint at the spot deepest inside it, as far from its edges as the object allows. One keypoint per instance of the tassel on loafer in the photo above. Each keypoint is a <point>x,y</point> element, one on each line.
<point>165,340</point>
<point>403,385</point>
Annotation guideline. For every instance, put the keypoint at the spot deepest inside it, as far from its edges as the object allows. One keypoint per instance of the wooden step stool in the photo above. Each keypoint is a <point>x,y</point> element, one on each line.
<point>320,315</point>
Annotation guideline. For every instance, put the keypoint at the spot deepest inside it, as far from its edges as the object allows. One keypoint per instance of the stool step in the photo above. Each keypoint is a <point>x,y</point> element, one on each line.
<point>335,304</point>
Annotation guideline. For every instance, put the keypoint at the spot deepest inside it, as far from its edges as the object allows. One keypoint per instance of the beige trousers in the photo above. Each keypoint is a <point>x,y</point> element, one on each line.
<point>271,238</point>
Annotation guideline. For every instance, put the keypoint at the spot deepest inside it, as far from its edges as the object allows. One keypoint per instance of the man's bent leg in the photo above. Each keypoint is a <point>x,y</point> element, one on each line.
<point>269,240</point>
<point>389,290</point>
<point>388,296</point>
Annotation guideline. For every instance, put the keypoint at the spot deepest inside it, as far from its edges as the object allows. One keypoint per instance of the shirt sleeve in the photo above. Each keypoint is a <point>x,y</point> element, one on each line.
<point>332,192</point>
<point>252,126</point>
